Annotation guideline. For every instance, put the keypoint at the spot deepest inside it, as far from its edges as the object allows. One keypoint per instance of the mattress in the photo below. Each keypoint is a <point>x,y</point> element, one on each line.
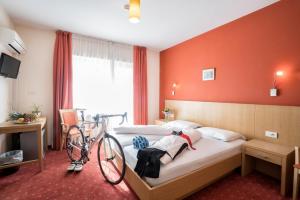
<point>208,151</point>
<point>126,139</point>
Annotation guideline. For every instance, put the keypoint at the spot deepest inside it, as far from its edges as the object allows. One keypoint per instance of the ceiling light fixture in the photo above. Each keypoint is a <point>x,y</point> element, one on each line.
<point>134,11</point>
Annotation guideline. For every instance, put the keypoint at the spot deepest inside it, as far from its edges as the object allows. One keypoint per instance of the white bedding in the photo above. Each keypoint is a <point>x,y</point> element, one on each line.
<point>208,151</point>
<point>126,139</point>
<point>143,130</point>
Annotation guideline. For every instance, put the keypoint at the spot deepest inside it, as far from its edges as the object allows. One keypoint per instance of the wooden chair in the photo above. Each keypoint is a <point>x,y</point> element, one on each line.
<point>296,174</point>
<point>68,117</point>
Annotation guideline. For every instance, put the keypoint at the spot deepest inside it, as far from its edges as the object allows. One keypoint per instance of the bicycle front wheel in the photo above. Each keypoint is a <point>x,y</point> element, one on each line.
<point>111,159</point>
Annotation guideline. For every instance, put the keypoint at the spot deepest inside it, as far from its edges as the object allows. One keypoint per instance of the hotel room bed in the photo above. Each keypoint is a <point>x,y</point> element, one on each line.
<point>208,152</point>
<point>189,172</point>
<point>248,119</point>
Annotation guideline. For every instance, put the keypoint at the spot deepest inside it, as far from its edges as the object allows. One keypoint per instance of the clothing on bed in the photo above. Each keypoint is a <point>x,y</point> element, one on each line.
<point>187,137</point>
<point>163,151</point>
<point>209,151</point>
<point>148,163</point>
<point>171,144</point>
<point>177,142</point>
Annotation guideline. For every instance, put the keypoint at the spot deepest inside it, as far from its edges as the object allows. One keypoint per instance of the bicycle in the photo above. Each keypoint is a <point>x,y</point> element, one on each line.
<point>81,139</point>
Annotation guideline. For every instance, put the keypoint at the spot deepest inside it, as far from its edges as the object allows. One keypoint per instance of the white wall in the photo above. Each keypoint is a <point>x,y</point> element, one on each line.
<point>5,83</point>
<point>34,84</point>
<point>153,70</point>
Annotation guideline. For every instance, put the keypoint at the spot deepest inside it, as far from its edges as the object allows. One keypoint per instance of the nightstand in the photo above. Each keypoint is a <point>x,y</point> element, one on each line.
<point>161,121</point>
<point>277,156</point>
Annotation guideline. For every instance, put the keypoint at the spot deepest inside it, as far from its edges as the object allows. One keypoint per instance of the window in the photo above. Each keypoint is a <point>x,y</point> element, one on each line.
<point>103,85</point>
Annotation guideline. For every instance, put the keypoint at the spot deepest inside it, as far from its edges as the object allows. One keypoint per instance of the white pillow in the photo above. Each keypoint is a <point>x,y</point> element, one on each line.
<point>206,132</point>
<point>143,130</point>
<point>220,134</point>
<point>178,125</point>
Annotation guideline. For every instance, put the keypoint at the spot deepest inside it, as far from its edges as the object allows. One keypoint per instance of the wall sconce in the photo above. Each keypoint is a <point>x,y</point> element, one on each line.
<point>274,90</point>
<point>173,88</point>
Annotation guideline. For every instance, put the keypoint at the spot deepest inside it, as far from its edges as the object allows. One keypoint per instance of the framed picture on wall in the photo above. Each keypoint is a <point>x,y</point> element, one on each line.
<point>208,74</point>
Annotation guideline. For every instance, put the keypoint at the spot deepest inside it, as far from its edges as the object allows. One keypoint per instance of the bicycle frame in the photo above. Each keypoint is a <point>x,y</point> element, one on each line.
<point>90,132</point>
<point>103,120</point>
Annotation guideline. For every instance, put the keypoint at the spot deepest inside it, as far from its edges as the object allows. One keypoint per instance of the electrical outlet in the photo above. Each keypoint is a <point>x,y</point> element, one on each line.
<point>271,134</point>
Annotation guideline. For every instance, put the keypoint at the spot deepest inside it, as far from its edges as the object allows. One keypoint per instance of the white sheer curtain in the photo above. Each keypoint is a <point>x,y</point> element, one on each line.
<point>102,76</point>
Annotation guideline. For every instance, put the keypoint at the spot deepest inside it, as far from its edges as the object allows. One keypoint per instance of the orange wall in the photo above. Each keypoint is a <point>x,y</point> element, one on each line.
<point>246,53</point>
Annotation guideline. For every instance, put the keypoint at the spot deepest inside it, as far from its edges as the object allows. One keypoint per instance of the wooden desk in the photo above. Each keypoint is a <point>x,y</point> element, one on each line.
<point>10,127</point>
<point>279,155</point>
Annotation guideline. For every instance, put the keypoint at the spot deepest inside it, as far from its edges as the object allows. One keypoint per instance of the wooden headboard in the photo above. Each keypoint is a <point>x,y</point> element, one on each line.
<point>249,119</point>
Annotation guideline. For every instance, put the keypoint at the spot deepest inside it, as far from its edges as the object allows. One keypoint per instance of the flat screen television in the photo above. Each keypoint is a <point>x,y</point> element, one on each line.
<point>9,66</point>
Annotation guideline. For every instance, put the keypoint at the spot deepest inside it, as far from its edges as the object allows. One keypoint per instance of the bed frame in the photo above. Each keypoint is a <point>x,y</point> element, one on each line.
<point>181,186</point>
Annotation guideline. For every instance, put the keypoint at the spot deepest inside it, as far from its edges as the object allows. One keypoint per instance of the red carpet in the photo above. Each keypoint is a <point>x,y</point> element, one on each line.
<point>55,183</point>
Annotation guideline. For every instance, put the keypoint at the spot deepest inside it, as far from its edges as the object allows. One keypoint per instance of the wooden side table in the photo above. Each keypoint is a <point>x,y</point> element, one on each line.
<point>10,127</point>
<point>280,155</point>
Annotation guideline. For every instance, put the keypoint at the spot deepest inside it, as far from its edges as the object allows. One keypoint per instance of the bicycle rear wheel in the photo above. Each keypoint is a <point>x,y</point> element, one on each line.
<point>75,144</point>
<point>110,152</point>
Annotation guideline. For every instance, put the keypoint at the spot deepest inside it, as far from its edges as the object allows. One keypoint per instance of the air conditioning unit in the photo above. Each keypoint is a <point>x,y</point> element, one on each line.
<point>12,41</point>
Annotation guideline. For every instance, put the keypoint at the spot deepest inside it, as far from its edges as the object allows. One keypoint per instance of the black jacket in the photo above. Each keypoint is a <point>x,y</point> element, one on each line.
<point>148,163</point>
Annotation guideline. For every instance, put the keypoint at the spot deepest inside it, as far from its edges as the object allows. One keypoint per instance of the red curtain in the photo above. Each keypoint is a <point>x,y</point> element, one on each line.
<point>140,97</point>
<point>62,81</point>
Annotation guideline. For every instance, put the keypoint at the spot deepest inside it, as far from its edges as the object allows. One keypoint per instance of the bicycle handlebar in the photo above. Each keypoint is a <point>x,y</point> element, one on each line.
<point>101,116</point>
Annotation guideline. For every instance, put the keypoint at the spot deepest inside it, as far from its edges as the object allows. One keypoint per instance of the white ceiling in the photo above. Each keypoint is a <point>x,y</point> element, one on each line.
<point>164,23</point>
